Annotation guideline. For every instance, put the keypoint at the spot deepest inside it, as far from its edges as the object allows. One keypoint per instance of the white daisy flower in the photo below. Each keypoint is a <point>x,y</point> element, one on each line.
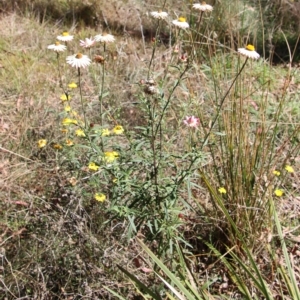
<point>65,37</point>
<point>181,23</point>
<point>203,6</point>
<point>57,47</point>
<point>87,43</point>
<point>105,38</point>
<point>159,14</point>
<point>78,60</point>
<point>249,51</point>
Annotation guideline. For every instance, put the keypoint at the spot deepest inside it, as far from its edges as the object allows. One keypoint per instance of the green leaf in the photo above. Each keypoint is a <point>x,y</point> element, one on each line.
<point>289,277</point>
<point>172,277</point>
<point>114,293</point>
<point>141,287</point>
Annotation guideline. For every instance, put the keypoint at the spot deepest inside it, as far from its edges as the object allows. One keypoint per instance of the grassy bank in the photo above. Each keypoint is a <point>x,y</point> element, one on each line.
<point>164,167</point>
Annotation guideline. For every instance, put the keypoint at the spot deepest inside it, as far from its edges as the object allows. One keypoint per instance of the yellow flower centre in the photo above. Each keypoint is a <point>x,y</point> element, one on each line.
<point>57,43</point>
<point>78,56</point>
<point>65,33</point>
<point>250,47</point>
<point>203,3</point>
<point>182,19</point>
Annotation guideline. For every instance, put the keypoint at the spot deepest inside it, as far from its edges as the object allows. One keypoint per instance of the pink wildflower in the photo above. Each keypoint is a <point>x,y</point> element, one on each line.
<point>191,121</point>
<point>87,43</point>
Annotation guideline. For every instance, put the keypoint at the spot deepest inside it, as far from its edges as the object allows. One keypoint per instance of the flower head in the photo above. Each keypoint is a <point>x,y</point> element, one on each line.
<point>159,14</point>
<point>72,85</point>
<point>276,173</point>
<point>78,60</point>
<point>278,193</point>
<point>92,166</point>
<point>110,156</point>
<point>289,169</point>
<point>249,51</point>
<point>42,143</point>
<point>57,146</point>
<point>222,190</point>
<point>203,6</point>
<point>151,90</point>
<point>65,37</point>
<point>87,43</point>
<point>74,113</point>
<point>69,143</point>
<point>105,132</point>
<point>68,121</point>
<point>80,132</point>
<point>105,38</point>
<point>118,129</point>
<point>191,121</point>
<point>181,23</point>
<point>57,47</point>
<point>99,59</point>
<point>65,97</point>
<point>73,181</point>
<point>67,108</point>
<point>99,197</point>
<point>183,58</point>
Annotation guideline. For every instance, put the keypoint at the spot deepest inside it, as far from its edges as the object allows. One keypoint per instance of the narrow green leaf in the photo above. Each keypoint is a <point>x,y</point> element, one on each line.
<point>289,278</point>
<point>171,288</point>
<point>171,276</point>
<point>141,287</point>
<point>114,293</point>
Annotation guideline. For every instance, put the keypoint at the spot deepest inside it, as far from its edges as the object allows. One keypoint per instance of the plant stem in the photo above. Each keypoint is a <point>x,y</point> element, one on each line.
<point>81,98</point>
<point>102,89</point>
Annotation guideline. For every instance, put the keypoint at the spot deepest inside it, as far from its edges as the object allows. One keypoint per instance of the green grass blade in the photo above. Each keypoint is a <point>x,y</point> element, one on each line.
<point>114,293</point>
<point>289,278</point>
<point>234,277</point>
<point>171,276</point>
<point>141,287</point>
<point>171,288</point>
<point>219,201</point>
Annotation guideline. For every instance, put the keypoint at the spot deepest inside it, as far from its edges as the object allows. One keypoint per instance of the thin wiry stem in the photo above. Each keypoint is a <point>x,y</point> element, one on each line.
<point>184,174</point>
<point>101,95</point>
<point>60,78</point>
<point>102,88</point>
<point>221,105</point>
<point>154,48</point>
<point>81,98</point>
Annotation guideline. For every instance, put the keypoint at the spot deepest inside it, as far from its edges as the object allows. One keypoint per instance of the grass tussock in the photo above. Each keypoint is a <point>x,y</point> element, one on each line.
<point>164,167</point>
